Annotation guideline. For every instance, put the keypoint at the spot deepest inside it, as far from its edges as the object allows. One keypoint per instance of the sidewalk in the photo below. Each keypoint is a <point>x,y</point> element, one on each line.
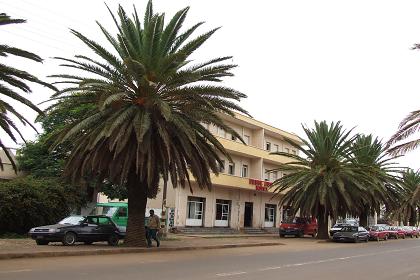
<point>26,248</point>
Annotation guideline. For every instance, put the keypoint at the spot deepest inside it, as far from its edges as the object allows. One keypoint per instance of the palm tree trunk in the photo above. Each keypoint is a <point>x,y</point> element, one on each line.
<point>137,200</point>
<point>413,217</point>
<point>322,220</point>
<point>363,218</point>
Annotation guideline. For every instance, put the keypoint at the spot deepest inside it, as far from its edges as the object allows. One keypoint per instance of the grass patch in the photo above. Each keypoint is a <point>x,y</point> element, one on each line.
<point>169,239</point>
<point>12,235</point>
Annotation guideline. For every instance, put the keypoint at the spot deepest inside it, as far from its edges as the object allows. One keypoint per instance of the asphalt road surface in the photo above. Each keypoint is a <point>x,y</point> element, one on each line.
<point>392,259</point>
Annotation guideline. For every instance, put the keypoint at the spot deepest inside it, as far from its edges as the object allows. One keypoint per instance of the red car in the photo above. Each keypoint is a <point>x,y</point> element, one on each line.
<point>411,231</point>
<point>299,227</point>
<point>400,231</point>
<point>377,233</point>
<point>391,231</point>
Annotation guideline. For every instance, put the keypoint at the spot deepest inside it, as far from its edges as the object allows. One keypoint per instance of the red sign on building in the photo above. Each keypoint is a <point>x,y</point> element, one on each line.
<point>260,185</point>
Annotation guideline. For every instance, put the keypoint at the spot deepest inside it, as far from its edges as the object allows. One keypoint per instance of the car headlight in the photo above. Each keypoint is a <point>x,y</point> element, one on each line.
<point>32,230</point>
<point>53,230</point>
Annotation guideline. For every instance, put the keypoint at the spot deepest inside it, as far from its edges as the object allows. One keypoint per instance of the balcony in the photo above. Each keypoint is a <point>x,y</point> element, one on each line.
<point>238,148</point>
<point>240,182</point>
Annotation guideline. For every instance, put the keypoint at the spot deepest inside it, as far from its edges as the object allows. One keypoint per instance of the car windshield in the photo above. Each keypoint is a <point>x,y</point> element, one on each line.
<point>374,228</point>
<point>340,225</point>
<point>72,220</point>
<point>295,220</point>
<point>104,210</point>
<point>349,229</point>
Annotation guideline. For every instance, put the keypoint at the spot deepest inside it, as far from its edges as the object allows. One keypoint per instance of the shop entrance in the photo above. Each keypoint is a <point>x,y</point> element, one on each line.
<point>248,214</point>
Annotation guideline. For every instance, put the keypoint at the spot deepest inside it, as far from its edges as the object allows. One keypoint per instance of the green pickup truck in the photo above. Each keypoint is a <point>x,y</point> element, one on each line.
<point>118,212</point>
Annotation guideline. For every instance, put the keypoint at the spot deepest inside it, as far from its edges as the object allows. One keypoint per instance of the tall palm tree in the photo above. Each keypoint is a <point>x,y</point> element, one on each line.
<point>410,202</point>
<point>323,182</point>
<point>150,104</point>
<point>409,126</point>
<point>13,82</point>
<point>369,154</point>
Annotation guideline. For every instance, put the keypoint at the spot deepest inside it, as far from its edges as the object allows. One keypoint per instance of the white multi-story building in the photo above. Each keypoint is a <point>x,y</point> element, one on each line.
<point>241,196</point>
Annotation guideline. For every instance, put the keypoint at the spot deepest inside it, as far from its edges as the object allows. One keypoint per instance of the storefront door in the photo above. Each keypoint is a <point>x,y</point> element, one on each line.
<point>195,208</point>
<point>270,215</point>
<point>222,213</point>
<point>248,214</point>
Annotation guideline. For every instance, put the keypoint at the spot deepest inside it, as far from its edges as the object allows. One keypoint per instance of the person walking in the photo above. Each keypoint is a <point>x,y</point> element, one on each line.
<point>153,229</point>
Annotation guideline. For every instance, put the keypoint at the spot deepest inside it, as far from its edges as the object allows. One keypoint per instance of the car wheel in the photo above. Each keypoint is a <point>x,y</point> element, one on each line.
<point>356,240</point>
<point>69,239</point>
<point>281,235</point>
<point>315,234</point>
<point>367,239</point>
<point>300,235</point>
<point>113,240</point>
<point>88,242</point>
<point>396,236</point>
<point>404,236</point>
<point>41,242</point>
<point>385,237</point>
<point>417,236</point>
<point>411,236</point>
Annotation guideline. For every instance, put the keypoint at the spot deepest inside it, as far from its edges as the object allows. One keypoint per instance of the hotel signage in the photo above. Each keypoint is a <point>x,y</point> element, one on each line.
<point>260,185</point>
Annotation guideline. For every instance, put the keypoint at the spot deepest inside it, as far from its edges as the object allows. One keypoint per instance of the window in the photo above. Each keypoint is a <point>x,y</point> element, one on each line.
<point>195,207</point>
<point>222,132</point>
<point>286,150</point>
<point>268,146</point>
<point>122,212</point>
<point>270,213</point>
<point>294,152</point>
<point>247,139</point>
<point>222,167</point>
<point>244,170</point>
<point>266,175</point>
<point>274,175</point>
<point>222,209</point>
<point>231,168</point>
<point>276,147</point>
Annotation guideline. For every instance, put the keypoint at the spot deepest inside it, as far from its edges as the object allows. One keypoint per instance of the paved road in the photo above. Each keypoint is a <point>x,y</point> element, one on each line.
<point>393,259</point>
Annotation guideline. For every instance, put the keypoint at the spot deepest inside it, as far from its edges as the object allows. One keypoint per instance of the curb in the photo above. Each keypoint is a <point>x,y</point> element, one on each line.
<point>93,252</point>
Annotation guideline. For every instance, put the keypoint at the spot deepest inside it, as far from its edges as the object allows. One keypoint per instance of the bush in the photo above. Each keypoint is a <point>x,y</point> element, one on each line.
<point>29,202</point>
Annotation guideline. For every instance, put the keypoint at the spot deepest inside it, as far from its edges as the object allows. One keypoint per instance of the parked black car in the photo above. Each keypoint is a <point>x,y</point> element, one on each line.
<point>352,234</point>
<point>337,227</point>
<point>79,229</point>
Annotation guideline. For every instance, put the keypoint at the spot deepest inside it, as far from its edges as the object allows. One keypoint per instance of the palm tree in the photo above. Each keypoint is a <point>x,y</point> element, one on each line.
<point>150,104</point>
<point>369,154</point>
<point>410,202</point>
<point>408,126</point>
<point>323,182</point>
<point>12,82</point>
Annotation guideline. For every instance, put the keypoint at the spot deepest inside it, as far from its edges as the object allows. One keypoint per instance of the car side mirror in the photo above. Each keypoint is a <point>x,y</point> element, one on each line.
<point>84,224</point>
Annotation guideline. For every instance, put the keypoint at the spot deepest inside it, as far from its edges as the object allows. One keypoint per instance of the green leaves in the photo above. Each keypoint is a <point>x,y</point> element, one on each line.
<point>339,173</point>
<point>12,82</point>
<point>149,101</point>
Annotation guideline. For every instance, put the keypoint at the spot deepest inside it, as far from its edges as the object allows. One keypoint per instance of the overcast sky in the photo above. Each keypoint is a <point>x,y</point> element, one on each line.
<point>299,61</point>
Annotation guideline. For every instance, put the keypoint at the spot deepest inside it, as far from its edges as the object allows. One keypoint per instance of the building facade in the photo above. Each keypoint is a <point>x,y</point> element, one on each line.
<point>8,173</point>
<point>241,195</point>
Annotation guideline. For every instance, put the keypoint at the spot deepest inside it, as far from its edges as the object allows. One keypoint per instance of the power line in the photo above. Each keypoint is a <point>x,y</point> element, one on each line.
<point>38,42</point>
